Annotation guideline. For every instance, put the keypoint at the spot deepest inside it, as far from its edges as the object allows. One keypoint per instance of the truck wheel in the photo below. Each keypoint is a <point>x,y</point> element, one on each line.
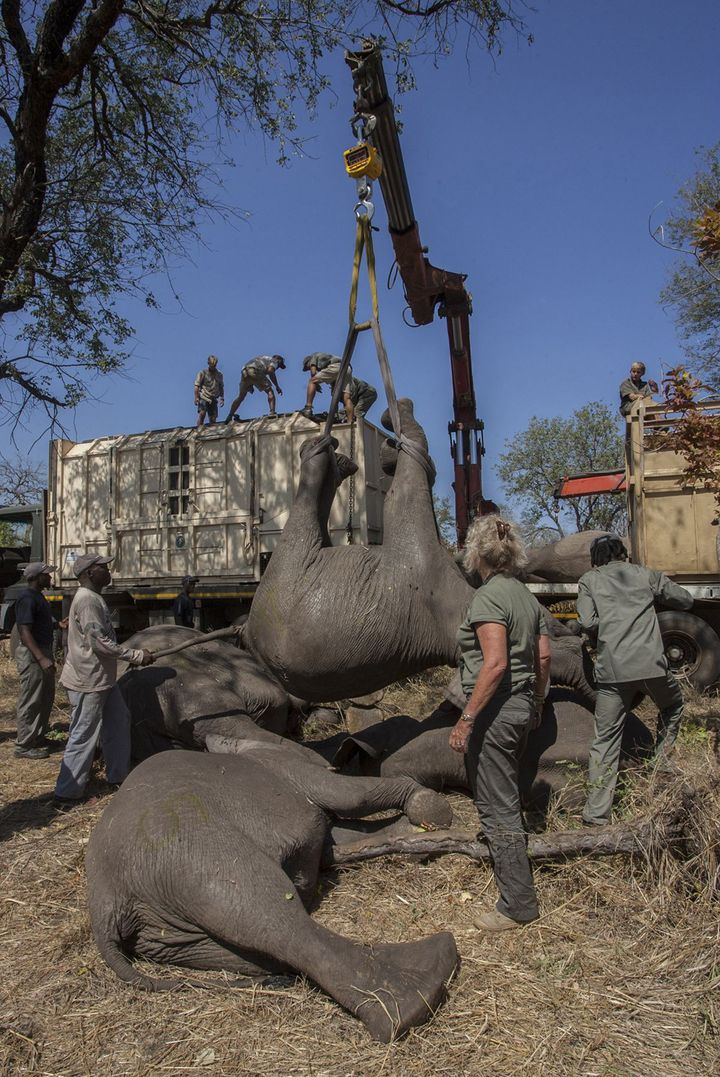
<point>692,647</point>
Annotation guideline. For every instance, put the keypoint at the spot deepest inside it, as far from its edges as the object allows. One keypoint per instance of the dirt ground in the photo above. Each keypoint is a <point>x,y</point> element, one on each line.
<point>620,976</point>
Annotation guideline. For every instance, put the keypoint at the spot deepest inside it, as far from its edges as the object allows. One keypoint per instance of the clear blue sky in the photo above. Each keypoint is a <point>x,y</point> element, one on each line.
<point>534,174</point>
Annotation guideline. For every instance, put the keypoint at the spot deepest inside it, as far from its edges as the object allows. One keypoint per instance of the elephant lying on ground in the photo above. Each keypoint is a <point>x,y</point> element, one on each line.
<point>210,861</point>
<point>555,759</point>
<point>180,699</point>
<point>563,561</point>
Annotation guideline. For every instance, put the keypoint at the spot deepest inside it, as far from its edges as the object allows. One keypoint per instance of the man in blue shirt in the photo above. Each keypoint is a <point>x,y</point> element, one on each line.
<point>34,661</point>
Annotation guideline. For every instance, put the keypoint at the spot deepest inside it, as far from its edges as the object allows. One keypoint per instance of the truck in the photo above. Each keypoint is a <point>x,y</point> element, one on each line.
<point>164,504</point>
<point>672,526</point>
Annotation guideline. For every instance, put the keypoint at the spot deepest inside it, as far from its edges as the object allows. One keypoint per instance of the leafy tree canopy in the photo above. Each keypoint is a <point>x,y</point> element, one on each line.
<point>693,291</point>
<point>534,461</point>
<point>112,112</point>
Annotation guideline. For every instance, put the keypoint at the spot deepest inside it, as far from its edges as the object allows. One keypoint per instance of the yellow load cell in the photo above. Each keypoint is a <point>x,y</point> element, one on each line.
<point>363,160</point>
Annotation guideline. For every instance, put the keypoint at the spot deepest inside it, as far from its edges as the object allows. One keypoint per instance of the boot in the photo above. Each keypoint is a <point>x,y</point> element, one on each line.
<point>307,411</point>
<point>494,921</point>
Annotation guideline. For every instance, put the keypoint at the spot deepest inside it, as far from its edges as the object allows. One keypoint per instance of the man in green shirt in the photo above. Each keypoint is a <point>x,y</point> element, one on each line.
<point>616,609</point>
<point>634,388</point>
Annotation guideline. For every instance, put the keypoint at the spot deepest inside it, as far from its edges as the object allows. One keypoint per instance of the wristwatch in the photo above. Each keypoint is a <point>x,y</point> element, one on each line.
<point>465,717</point>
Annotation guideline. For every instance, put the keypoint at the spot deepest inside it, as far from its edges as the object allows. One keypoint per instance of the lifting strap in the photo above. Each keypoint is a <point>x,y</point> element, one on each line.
<point>364,243</point>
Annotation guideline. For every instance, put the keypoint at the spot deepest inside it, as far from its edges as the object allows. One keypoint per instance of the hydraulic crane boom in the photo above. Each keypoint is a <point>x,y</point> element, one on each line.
<point>426,287</point>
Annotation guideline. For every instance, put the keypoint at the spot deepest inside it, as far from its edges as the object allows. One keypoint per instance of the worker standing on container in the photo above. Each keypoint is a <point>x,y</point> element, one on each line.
<point>259,373</point>
<point>362,395</point>
<point>35,662</point>
<point>209,392</point>
<point>616,609</point>
<point>183,606</point>
<point>90,677</point>
<point>635,388</point>
<point>324,369</point>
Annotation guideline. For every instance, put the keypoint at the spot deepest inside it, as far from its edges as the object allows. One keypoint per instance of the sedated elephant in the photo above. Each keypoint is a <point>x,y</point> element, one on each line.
<point>210,862</point>
<point>181,699</point>
<point>554,758</point>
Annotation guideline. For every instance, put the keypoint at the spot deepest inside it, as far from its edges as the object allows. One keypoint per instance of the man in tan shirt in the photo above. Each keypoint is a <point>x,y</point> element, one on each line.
<point>90,677</point>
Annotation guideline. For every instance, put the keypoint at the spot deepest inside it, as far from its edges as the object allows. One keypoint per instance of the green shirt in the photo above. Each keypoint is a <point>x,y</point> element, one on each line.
<point>627,388</point>
<point>616,602</point>
<point>502,599</point>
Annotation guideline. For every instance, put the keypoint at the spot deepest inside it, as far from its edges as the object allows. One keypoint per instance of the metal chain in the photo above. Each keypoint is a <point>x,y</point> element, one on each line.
<point>351,492</point>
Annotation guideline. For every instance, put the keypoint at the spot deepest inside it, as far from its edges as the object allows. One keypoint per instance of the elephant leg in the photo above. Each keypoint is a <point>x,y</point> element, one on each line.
<point>354,797</point>
<point>263,920</point>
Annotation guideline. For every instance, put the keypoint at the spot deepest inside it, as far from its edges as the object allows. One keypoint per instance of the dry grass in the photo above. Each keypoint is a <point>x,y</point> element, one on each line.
<point>619,977</point>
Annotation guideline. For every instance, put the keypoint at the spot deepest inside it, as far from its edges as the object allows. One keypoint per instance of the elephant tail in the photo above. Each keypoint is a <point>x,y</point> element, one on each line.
<point>110,947</point>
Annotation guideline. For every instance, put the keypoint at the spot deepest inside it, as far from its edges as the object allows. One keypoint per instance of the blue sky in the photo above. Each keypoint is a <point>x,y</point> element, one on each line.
<point>534,174</point>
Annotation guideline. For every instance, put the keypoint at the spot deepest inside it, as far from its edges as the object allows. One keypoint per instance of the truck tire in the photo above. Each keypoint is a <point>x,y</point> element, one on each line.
<point>692,647</point>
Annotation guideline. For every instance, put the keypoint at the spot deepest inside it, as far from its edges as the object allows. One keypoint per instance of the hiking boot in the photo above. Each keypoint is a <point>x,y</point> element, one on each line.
<point>272,415</point>
<point>494,921</point>
<point>32,753</point>
<point>307,411</point>
<point>66,804</point>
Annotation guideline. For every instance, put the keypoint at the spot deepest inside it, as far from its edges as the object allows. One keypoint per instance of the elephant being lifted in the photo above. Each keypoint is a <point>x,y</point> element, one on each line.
<point>332,622</point>
<point>209,861</point>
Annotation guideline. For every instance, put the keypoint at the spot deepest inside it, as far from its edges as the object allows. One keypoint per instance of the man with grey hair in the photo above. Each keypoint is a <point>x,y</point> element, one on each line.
<point>34,660</point>
<point>90,677</point>
<point>635,388</point>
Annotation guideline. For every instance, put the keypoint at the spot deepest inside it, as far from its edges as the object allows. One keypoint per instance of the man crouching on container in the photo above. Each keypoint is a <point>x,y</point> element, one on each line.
<point>90,677</point>
<point>504,666</point>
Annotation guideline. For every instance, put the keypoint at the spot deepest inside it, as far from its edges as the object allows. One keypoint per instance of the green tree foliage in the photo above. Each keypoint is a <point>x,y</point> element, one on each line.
<point>112,112</point>
<point>693,291</point>
<point>445,520</point>
<point>534,461</point>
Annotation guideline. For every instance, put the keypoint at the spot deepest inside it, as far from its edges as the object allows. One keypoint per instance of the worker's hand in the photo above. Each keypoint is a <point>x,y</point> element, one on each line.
<point>653,385</point>
<point>318,386</point>
<point>279,390</point>
<point>537,714</point>
<point>460,735</point>
<point>64,623</point>
<point>221,401</point>
<point>147,658</point>
<point>46,664</point>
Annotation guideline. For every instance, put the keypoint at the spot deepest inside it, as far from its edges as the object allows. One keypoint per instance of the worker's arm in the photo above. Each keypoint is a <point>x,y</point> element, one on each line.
<point>198,382</point>
<point>221,398</point>
<point>542,675</point>
<point>668,593</point>
<point>233,408</point>
<point>28,640</point>
<point>273,379</point>
<point>492,638</point>
<point>103,645</point>
<point>587,611</point>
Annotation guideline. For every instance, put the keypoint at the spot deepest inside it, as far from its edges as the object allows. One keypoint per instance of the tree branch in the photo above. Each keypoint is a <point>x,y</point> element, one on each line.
<point>16,34</point>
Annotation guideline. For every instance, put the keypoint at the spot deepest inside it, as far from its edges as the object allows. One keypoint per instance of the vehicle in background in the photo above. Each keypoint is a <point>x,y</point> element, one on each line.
<point>210,503</point>
<point>672,526</point>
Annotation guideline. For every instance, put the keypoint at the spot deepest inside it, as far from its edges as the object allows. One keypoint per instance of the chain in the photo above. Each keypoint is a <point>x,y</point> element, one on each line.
<point>351,492</point>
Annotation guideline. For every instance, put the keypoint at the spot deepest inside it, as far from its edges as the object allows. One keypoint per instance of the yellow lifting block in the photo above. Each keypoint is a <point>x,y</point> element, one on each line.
<point>363,160</point>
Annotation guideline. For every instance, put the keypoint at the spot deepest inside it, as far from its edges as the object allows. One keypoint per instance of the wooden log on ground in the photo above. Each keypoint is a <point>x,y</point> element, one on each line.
<point>641,837</point>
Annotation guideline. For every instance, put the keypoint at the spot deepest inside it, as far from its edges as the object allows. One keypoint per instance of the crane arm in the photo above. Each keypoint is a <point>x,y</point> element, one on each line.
<point>426,287</point>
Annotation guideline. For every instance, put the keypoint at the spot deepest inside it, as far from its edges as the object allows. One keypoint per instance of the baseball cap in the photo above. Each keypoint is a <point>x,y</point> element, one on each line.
<point>189,579</point>
<point>36,568</point>
<point>87,560</point>
<point>280,361</point>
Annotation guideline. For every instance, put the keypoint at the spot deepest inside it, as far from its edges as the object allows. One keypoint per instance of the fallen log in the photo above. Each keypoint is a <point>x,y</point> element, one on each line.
<point>643,836</point>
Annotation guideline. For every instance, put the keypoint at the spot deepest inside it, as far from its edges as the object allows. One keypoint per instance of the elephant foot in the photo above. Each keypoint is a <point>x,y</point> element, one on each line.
<point>426,807</point>
<point>401,985</point>
<point>346,466</point>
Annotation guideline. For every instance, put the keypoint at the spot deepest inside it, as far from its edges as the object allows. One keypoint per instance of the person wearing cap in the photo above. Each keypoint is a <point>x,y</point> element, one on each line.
<point>324,369</point>
<point>635,388</point>
<point>90,677</point>
<point>259,373</point>
<point>34,660</point>
<point>616,611</point>
<point>183,606</point>
<point>209,392</point>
